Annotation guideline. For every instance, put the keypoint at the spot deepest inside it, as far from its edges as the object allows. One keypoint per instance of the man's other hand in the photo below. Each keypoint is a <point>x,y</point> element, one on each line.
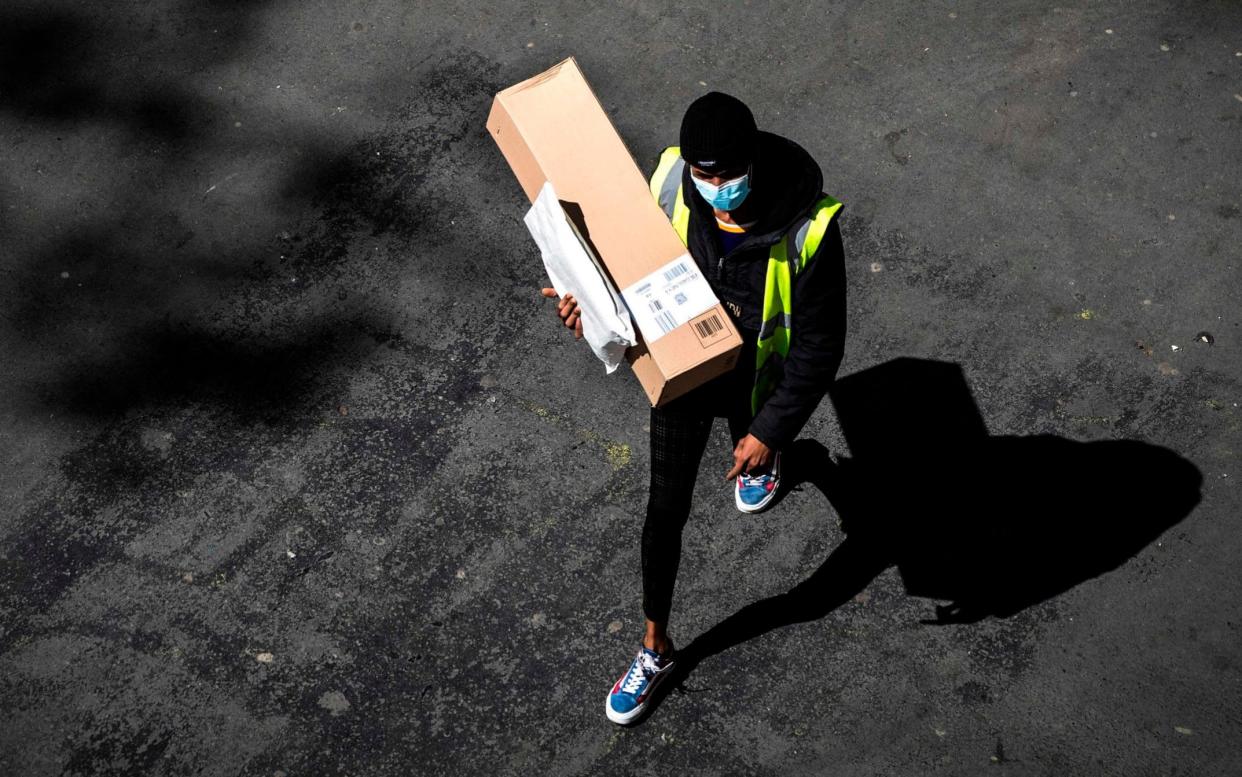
<point>750,455</point>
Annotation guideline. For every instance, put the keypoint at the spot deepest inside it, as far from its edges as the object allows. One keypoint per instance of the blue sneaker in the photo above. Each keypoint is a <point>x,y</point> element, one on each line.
<point>755,492</point>
<point>628,698</point>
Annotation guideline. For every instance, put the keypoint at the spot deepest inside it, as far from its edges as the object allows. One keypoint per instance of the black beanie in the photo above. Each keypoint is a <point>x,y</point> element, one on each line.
<point>718,133</point>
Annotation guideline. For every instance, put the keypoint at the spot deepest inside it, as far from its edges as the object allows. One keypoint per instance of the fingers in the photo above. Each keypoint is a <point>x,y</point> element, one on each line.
<point>569,311</point>
<point>739,461</point>
<point>749,455</point>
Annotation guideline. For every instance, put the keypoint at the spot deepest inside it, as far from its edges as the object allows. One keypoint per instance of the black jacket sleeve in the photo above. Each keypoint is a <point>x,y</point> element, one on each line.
<point>816,347</point>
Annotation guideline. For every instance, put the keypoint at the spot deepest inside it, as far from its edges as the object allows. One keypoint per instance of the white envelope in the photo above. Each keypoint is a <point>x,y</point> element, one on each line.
<point>573,269</point>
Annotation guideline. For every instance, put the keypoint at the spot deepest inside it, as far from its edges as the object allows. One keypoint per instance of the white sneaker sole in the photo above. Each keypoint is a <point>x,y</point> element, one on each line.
<point>763,503</point>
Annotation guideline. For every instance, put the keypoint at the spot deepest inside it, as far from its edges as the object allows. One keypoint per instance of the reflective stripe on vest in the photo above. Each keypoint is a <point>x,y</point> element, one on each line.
<point>666,188</point>
<point>783,266</point>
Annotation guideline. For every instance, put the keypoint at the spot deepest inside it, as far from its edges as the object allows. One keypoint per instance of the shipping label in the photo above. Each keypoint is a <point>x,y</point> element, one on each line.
<point>668,297</point>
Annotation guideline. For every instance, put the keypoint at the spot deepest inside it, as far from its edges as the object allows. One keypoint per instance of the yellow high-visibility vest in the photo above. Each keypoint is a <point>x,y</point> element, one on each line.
<point>786,258</point>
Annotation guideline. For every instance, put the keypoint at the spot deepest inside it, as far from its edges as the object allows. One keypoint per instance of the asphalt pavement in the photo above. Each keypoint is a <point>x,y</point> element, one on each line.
<point>300,476</point>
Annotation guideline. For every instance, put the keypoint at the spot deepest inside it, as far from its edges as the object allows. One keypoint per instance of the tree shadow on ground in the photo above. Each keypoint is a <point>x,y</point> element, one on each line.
<point>272,381</point>
<point>992,525</point>
<point>159,287</point>
<point>63,66</point>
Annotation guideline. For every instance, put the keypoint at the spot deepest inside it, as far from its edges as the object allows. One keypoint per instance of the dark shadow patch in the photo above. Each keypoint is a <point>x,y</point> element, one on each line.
<point>112,277</point>
<point>406,182</point>
<point>972,692</point>
<point>111,747</point>
<point>76,530</point>
<point>44,65</point>
<point>61,68</point>
<point>253,377</point>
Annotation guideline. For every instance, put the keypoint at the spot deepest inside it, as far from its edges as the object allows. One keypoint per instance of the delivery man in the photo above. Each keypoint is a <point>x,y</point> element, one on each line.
<point>750,208</point>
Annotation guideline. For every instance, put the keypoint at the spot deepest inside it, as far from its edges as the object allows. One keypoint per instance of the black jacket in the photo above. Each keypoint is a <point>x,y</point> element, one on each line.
<point>785,185</point>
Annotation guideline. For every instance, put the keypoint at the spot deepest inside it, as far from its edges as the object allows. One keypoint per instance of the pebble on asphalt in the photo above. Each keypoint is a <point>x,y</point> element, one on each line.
<point>334,702</point>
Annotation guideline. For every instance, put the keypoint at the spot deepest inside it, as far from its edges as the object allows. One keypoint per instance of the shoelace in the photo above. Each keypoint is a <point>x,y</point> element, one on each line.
<point>754,480</point>
<point>642,669</point>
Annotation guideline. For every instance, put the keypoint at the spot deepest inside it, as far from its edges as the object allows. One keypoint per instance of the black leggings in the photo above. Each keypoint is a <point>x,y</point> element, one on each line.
<point>679,433</point>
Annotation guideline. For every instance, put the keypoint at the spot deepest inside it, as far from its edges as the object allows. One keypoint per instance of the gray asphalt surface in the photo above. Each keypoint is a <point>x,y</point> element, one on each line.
<point>299,476</point>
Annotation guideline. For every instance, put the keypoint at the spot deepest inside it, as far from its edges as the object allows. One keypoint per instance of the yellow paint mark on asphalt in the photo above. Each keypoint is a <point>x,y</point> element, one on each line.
<point>1101,420</point>
<point>541,526</point>
<point>612,741</point>
<point>618,454</point>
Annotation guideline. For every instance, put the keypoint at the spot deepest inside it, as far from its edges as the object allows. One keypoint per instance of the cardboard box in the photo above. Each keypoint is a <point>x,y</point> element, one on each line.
<point>552,128</point>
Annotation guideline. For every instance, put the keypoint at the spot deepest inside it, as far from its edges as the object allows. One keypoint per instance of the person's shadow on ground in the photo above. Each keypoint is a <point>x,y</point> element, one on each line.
<point>992,525</point>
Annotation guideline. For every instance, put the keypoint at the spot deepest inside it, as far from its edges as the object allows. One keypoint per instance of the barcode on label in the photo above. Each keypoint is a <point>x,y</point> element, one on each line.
<point>675,272</point>
<point>655,306</point>
<point>708,327</point>
<point>666,321</point>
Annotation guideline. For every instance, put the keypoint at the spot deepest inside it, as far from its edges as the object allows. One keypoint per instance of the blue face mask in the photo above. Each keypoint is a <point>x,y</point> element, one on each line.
<point>727,195</point>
